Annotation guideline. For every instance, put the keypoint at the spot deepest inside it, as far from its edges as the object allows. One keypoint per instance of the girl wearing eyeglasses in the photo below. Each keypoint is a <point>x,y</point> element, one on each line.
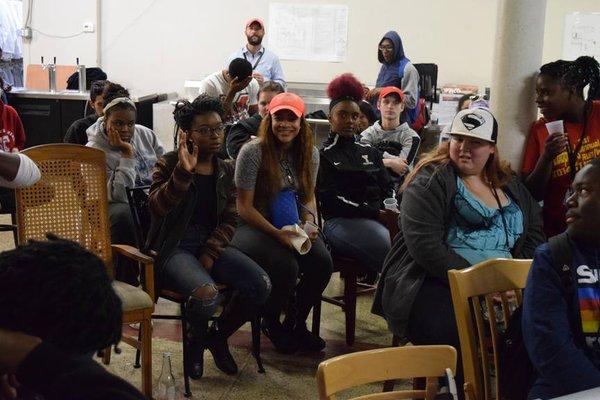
<point>461,205</point>
<point>192,200</point>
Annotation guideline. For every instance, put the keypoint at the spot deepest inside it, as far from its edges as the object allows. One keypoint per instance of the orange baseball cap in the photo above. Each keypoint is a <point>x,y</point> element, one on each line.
<point>259,21</point>
<point>287,101</point>
<point>389,90</point>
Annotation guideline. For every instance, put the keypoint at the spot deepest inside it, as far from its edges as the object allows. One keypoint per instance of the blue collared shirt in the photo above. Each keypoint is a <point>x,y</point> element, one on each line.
<point>264,62</point>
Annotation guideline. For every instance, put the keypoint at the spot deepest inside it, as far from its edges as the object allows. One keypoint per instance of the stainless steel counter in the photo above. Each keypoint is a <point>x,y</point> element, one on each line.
<point>66,95</point>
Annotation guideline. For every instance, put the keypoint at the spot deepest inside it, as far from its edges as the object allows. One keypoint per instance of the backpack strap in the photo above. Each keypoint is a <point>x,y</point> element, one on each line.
<point>560,250</point>
<point>562,258</point>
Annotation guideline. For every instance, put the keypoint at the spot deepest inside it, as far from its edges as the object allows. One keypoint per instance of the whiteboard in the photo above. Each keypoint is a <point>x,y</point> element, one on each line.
<point>581,35</point>
<point>308,32</point>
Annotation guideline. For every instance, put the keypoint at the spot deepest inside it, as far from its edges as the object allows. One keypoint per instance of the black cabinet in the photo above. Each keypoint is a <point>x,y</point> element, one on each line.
<point>41,119</point>
<point>46,120</point>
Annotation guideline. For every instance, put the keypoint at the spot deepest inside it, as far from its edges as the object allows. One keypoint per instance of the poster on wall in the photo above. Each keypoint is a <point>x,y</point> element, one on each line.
<point>581,35</point>
<point>308,32</point>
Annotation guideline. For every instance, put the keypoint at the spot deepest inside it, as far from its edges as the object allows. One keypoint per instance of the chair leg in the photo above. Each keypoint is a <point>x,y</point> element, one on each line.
<point>388,386</point>
<point>138,352</point>
<point>316,318</point>
<point>350,308</point>
<point>146,332</point>
<point>255,324</point>
<point>184,342</point>
<point>106,355</point>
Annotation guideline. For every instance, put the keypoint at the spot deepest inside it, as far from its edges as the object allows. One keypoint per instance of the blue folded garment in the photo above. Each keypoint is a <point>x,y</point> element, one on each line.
<point>284,209</point>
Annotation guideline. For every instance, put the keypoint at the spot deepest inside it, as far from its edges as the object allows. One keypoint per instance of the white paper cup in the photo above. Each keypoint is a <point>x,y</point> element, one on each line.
<point>310,227</point>
<point>555,127</point>
<point>391,204</point>
<point>301,243</point>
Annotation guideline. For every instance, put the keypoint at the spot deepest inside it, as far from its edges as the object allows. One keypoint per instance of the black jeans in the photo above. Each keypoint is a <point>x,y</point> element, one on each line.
<point>285,267</point>
<point>432,321</point>
<point>122,231</point>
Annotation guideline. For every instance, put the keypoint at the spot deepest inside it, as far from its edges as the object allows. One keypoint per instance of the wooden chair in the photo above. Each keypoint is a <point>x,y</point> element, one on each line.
<point>138,205</point>
<point>349,270</point>
<point>409,362</point>
<point>70,201</point>
<point>484,296</point>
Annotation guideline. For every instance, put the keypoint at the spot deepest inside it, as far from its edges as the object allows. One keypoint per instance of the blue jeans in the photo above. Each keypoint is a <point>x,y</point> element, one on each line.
<point>362,239</point>
<point>184,274</point>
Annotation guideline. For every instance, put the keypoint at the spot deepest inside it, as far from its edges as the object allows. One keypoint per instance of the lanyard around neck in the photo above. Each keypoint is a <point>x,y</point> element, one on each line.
<point>259,58</point>
<point>501,209</point>
<point>573,153</point>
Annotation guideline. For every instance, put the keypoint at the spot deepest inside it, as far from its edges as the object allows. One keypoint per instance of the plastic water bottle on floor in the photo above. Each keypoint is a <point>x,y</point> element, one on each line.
<point>167,387</point>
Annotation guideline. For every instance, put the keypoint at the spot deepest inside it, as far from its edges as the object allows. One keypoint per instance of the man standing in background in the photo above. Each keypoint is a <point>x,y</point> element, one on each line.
<point>265,63</point>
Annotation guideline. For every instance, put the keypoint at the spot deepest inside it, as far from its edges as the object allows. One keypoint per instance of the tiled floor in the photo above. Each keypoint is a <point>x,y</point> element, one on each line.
<point>287,377</point>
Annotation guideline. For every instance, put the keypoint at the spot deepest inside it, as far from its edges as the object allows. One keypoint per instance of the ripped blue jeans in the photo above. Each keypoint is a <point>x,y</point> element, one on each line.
<point>184,274</point>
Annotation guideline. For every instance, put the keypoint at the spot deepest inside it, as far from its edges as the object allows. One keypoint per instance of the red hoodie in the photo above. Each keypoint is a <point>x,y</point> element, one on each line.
<point>12,134</point>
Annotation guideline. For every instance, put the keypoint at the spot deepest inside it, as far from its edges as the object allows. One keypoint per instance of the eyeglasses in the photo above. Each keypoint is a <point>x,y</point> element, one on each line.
<point>386,48</point>
<point>208,131</point>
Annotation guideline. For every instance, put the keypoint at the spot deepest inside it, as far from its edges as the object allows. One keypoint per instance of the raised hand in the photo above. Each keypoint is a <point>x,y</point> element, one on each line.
<point>115,141</point>
<point>236,85</point>
<point>187,160</point>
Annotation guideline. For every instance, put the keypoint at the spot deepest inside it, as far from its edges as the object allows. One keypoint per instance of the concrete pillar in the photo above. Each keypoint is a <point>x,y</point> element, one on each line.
<point>517,58</point>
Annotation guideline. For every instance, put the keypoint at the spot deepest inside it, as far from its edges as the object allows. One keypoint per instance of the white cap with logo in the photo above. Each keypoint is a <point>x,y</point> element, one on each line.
<point>478,123</point>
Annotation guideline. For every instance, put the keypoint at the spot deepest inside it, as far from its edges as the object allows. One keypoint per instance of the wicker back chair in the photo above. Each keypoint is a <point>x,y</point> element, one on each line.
<point>70,201</point>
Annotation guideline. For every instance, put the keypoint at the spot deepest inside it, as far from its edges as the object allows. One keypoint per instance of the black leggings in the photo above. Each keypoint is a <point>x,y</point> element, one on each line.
<point>432,321</point>
<point>284,267</point>
<point>122,231</point>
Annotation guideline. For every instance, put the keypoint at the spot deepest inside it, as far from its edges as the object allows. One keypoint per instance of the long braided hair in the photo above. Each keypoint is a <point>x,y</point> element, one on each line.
<point>577,74</point>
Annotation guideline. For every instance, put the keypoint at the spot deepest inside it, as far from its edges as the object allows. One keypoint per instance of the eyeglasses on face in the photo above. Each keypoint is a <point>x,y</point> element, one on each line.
<point>386,48</point>
<point>208,131</point>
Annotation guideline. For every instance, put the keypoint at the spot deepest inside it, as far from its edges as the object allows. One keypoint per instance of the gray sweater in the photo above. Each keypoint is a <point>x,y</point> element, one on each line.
<point>420,248</point>
<point>126,172</point>
<point>402,142</point>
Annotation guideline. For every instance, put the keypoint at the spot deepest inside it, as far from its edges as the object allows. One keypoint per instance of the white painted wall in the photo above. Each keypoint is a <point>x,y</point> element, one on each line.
<point>154,45</point>
<point>61,18</point>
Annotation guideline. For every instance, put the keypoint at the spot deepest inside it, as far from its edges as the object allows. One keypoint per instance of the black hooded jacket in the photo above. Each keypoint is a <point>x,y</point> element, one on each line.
<point>389,74</point>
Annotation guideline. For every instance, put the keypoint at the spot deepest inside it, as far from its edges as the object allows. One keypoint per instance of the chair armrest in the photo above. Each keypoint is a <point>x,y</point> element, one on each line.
<point>148,262</point>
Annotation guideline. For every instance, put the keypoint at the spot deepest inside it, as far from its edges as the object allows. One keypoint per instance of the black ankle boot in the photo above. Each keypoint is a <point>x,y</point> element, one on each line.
<point>195,358</point>
<point>216,343</point>
<point>307,340</point>
<point>281,338</point>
